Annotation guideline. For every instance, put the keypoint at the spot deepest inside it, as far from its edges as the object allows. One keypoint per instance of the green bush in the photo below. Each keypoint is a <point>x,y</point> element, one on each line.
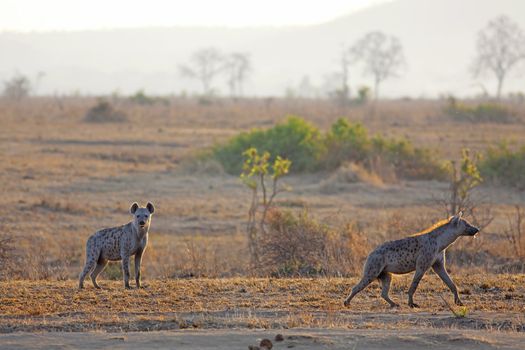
<point>503,166</point>
<point>483,112</point>
<point>345,142</point>
<point>295,139</point>
<point>141,98</point>
<point>408,161</point>
<point>348,142</point>
<point>309,150</point>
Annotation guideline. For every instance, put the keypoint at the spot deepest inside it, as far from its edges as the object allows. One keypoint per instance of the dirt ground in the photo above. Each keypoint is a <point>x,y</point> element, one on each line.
<point>307,339</point>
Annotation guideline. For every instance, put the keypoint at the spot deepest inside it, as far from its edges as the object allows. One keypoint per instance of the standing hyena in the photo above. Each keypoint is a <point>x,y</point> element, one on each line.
<point>419,253</point>
<point>119,243</point>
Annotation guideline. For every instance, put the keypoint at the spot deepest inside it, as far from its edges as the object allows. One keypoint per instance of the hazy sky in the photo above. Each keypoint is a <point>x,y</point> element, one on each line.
<point>38,15</point>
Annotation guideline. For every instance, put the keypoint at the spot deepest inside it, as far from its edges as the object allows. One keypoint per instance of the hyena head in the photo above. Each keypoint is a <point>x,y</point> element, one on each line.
<point>462,226</point>
<point>142,215</point>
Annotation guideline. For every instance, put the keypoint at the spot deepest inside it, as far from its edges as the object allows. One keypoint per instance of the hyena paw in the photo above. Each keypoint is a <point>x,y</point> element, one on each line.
<point>459,302</point>
<point>413,305</point>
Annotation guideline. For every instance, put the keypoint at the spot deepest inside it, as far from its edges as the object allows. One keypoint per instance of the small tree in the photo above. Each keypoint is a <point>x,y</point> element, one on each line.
<point>463,178</point>
<point>204,65</point>
<point>500,46</point>
<point>382,56</point>
<point>17,87</point>
<point>237,66</point>
<point>256,170</point>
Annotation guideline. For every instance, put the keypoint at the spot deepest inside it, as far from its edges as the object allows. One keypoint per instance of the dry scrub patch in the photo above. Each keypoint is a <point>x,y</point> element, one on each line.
<point>494,302</point>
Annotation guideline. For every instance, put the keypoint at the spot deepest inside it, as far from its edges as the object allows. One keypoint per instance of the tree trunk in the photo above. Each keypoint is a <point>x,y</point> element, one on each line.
<point>500,86</point>
<point>376,89</point>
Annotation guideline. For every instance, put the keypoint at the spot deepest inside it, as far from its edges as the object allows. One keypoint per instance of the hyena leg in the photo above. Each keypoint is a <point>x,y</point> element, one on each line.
<point>421,268</point>
<point>125,270</point>
<point>371,271</point>
<point>90,264</point>
<point>386,280</point>
<point>138,260</point>
<point>101,264</point>
<point>439,269</point>
<point>365,281</point>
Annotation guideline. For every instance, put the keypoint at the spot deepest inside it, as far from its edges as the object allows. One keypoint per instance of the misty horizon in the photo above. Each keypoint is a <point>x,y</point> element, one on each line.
<point>296,59</point>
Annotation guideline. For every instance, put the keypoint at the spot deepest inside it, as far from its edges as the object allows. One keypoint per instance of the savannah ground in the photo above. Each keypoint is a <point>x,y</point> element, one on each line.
<point>62,178</point>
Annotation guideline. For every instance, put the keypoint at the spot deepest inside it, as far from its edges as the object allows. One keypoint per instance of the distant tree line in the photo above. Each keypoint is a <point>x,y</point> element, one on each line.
<point>500,49</point>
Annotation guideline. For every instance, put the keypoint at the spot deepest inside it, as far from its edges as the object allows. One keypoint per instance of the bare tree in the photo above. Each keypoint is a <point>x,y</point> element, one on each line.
<point>336,83</point>
<point>382,56</point>
<point>500,46</point>
<point>344,92</point>
<point>17,87</point>
<point>204,65</point>
<point>238,66</point>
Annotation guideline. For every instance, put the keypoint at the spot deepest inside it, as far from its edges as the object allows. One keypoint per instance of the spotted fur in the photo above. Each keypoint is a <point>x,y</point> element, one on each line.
<point>119,243</point>
<point>417,253</point>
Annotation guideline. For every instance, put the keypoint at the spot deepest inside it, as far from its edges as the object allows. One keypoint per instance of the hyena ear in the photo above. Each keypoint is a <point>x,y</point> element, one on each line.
<point>150,207</point>
<point>133,208</point>
<point>456,219</point>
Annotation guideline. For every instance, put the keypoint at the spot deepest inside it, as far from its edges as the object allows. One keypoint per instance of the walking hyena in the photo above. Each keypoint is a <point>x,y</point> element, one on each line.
<point>119,243</point>
<point>419,253</point>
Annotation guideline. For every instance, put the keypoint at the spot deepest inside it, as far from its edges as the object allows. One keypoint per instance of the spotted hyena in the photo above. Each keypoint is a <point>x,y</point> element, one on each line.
<point>419,252</point>
<point>119,243</point>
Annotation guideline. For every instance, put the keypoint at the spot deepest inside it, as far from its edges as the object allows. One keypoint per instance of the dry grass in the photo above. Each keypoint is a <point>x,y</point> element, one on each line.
<point>62,179</point>
<point>493,301</point>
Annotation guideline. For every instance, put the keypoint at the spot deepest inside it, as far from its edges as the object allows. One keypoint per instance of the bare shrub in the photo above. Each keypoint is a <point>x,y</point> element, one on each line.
<point>515,233</point>
<point>349,173</point>
<point>298,245</point>
<point>345,251</point>
<point>103,112</point>
<point>293,245</point>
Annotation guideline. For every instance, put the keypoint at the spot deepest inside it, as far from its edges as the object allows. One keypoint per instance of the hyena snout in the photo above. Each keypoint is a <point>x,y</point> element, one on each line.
<point>472,230</point>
